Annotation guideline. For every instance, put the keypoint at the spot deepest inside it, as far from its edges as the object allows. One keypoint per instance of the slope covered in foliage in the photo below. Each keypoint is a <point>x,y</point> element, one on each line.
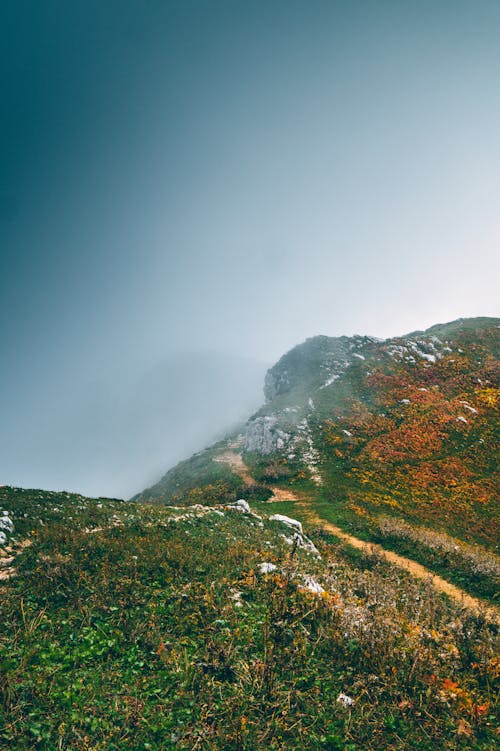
<point>396,441</point>
<point>134,626</point>
<point>418,437</point>
<point>407,426</point>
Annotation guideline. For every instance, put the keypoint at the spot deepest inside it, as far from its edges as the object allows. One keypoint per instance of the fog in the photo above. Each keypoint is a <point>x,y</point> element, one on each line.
<point>179,179</point>
<point>118,437</point>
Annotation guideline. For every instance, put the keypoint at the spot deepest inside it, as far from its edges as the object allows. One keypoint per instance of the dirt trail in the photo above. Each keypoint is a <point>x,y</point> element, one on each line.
<point>282,494</point>
<point>491,612</point>
<point>237,465</point>
<point>235,462</point>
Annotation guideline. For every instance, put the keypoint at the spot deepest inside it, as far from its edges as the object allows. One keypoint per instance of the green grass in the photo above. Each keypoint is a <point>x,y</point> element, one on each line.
<point>470,567</point>
<point>452,566</point>
<point>370,429</point>
<point>138,627</point>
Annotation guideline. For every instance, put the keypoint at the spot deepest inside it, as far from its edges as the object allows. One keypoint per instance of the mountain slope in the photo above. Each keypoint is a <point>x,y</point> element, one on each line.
<point>368,431</point>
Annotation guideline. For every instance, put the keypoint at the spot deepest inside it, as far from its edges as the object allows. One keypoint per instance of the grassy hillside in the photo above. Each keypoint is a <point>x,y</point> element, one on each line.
<point>197,479</point>
<point>408,427</point>
<point>418,437</point>
<point>396,441</point>
<point>132,626</point>
<point>201,479</point>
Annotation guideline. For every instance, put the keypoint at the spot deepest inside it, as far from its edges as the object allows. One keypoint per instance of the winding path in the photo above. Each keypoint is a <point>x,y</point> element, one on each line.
<point>235,462</point>
<point>491,612</point>
<point>462,598</point>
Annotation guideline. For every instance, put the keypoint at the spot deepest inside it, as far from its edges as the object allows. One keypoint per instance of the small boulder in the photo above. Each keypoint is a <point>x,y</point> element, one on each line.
<point>241,506</point>
<point>267,568</point>
<point>293,523</point>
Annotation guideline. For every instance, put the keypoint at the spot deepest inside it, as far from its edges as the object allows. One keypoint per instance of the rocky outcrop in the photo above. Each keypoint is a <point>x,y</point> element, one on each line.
<point>263,436</point>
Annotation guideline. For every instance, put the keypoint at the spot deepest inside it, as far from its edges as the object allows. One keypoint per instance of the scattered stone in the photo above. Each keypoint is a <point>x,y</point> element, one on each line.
<point>241,505</point>
<point>345,700</point>
<point>267,568</point>
<point>288,521</point>
<point>312,585</point>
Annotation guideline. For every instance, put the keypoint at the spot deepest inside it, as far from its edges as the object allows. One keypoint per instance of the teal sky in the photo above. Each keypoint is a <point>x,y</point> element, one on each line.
<point>192,176</point>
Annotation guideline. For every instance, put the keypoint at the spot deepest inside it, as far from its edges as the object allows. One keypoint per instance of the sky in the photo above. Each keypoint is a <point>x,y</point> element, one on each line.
<point>188,178</point>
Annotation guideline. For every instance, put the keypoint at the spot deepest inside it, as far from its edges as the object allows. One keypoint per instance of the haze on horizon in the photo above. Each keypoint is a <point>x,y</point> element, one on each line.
<point>184,178</point>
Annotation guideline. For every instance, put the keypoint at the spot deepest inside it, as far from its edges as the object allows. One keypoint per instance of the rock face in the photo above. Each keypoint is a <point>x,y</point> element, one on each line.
<point>276,382</point>
<point>263,436</point>
<point>304,371</point>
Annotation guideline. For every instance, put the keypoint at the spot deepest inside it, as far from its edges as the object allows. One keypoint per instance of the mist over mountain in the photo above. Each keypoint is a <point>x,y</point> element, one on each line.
<point>121,433</point>
<point>406,426</point>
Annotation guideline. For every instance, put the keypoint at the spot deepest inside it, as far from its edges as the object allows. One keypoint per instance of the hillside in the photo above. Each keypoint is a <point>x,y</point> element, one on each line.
<point>325,579</point>
<point>132,626</point>
<point>396,441</point>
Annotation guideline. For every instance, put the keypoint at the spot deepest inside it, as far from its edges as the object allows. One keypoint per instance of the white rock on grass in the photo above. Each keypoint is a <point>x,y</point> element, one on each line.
<point>288,521</point>
<point>312,585</point>
<point>235,596</point>
<point>299,537</point>
<point>345,700</point>
<point>301,541</point>
<point>471,409</point>
<point>267,568</point>
<point>6,522</point>
<point>241,506</point>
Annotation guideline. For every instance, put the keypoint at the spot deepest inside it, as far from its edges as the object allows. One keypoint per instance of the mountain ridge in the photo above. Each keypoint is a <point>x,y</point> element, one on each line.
<point>365,430</point>
<point>310,381</point>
